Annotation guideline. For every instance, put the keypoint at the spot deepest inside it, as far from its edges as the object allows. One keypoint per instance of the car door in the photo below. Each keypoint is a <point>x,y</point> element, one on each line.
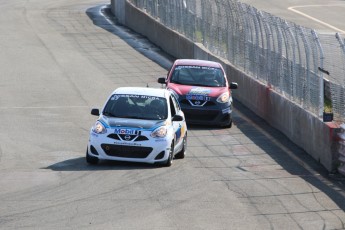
<point>178,126</point>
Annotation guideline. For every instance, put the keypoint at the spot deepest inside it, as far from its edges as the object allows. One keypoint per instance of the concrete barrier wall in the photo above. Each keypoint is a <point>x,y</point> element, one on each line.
<point>117,7</point>
<point>170,41</point>
<point>317,138</point>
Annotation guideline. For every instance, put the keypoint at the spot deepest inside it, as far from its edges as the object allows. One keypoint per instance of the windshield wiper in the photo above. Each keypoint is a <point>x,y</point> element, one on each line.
<point>176,82</point>
<point>134,117</point>
<point>200,85</point>
<point>108,114</point>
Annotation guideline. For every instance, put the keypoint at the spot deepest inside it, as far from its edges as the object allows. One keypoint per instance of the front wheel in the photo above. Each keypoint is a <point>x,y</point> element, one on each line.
<point>182,153</point>
<point>169,161</point>
<point>229,122</point>
<point>228,125</point>
<point>91,159</point>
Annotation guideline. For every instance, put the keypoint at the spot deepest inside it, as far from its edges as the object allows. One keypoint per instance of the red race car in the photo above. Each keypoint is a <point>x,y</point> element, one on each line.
<point>202,90</point>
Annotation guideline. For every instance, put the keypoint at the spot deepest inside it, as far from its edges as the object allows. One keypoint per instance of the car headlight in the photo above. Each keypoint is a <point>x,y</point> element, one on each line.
<point>223,98</point>
<point>99,128</point>
<point>159,132</point>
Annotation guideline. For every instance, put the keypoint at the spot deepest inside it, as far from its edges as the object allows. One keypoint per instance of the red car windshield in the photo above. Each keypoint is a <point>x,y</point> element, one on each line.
<point>198,76</point>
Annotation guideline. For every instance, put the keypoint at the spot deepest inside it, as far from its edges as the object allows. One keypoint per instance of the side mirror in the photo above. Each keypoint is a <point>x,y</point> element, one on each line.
<point>95,112</point>
<point>233,85</point>
<point>177,118</point>
<point>161,80</point>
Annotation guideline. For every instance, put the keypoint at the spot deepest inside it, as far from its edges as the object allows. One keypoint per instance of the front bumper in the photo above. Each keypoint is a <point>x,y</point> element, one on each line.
<point>105,147</point>
<point>216,114</point>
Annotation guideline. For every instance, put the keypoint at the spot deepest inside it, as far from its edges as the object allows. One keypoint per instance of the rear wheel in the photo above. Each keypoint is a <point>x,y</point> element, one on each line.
<point>91,159</point>
<point>182,153</point>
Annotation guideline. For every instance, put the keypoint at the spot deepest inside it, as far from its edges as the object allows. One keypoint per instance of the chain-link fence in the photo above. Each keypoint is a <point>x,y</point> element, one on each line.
<point>334,63</point>
<point>289,58</point>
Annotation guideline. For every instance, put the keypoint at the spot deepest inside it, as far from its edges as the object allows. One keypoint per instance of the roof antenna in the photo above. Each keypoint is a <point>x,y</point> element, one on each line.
<point>147,85</point>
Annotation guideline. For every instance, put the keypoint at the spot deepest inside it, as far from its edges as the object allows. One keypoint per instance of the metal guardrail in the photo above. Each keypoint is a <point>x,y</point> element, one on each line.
<point>288,58</point>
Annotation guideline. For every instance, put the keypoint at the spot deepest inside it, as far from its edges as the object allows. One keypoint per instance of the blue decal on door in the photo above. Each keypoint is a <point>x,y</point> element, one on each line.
<point>178,133</point>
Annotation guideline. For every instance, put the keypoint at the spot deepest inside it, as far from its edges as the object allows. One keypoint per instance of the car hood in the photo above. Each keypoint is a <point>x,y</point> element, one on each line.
<point>131,123</point>
<point>197,90</point>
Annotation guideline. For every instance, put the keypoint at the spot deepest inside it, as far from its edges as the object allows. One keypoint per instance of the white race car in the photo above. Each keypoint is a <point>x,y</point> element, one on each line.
<point>138,125</point>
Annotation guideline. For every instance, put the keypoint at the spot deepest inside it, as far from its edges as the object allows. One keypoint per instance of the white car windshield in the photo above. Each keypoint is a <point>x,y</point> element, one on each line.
<point>198,75</point>
<point>136,107</point>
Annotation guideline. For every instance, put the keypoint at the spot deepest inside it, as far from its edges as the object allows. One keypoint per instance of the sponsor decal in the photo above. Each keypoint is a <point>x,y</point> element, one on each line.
<point>117,96</point>
<point>114,97</point>
<point>197,97</point>
<point>160,140</point>
<point>127,143</point>
<point>127,131</point>
<point>194,67</point>
<point>199,91</point>
<point>227,110</point>
<point>150,97</point>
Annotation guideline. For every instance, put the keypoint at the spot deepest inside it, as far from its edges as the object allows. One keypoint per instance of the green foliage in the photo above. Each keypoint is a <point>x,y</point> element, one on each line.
<point>327,105</point>
<point>198,35</point>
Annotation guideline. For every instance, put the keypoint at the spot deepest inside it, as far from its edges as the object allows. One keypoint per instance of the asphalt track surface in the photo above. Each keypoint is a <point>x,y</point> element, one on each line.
<point>326,17</point>
<point>61,58</point>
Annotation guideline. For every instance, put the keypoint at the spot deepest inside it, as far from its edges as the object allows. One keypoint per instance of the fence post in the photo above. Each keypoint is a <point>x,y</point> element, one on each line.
<point>341,168</point>
<point>322,57</point>
<point>341,42</point>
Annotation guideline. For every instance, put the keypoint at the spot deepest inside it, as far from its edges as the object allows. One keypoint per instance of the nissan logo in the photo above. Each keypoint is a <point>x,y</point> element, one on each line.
<point>127,137</point>
<point>197,102</point>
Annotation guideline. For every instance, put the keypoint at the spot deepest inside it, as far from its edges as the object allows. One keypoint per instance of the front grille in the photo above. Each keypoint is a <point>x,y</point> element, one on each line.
<point>160,155</point>
<point>142,138</point>
<point>127,137</point>
<point>93,150</point>
<point>202,115</point>
<point>114,136</point>
<point>131,137</point>
<point>126,151</point>
<point>186,102</point>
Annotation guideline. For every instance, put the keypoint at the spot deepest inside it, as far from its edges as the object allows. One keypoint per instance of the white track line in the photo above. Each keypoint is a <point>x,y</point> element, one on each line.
<point>293,8</point>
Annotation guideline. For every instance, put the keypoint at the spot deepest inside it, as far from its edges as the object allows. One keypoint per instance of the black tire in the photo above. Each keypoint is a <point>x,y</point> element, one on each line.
<point>91,159</point>
<point>170,159</point>
<point>182,153</point>
<point>229,124</point>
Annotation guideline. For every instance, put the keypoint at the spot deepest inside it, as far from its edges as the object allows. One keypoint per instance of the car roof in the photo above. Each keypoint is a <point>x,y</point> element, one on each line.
<point>197,62</point>
<point>157,92</point>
